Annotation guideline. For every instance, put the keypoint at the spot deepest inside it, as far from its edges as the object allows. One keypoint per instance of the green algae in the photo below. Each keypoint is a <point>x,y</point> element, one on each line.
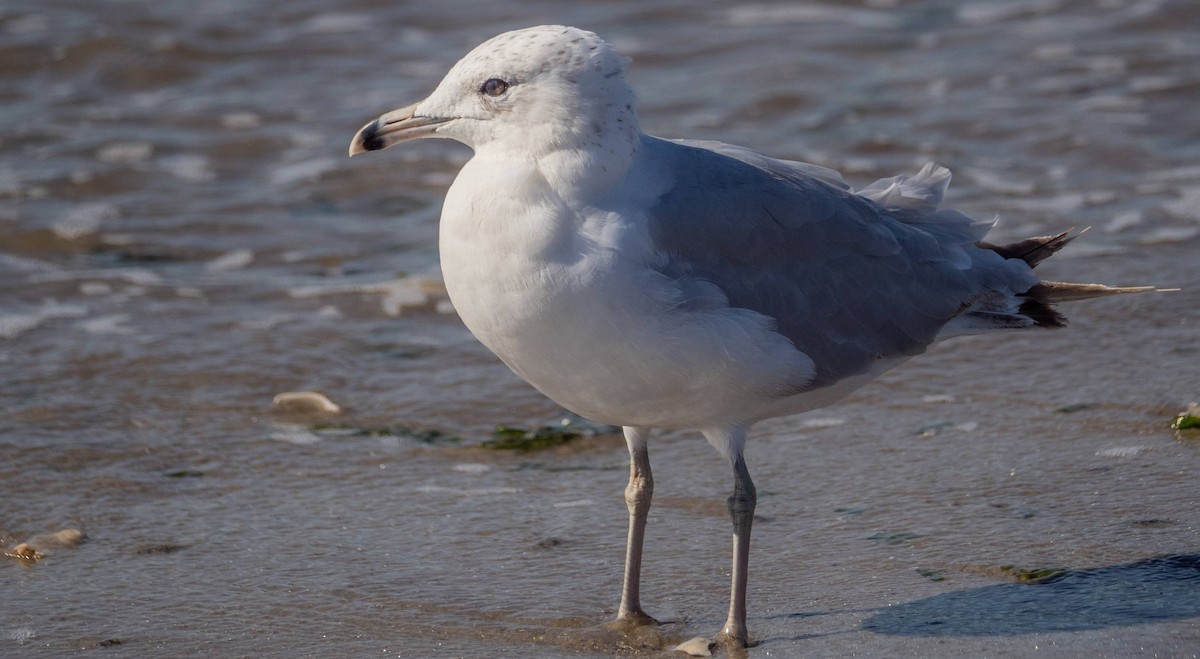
<point>430,436</point>
<point>513,438</point>
<point>1034,575</point>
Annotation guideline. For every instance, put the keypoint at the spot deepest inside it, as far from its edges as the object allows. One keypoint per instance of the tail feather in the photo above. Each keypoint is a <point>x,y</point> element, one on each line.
<point>1053,292</point>
<point>1037,304</point>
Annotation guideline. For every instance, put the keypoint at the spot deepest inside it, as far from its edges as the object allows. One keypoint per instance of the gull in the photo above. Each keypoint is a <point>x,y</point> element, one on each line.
<point>653,283</point>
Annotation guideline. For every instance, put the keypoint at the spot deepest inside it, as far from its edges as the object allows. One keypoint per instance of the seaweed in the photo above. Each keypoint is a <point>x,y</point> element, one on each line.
<point>932,575</point>
<point>1034,575</point>
<point>1188,419</point>
<point>1186,422</point>
<point>430,436</point>
<point>505,438</point>
<point>511,438</point>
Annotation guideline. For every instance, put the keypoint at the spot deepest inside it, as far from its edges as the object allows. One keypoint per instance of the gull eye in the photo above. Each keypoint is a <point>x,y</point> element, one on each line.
<point>494,87</point>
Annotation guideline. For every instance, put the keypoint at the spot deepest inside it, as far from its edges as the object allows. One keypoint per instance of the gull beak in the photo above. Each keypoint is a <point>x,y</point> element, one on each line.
<point>393,128</point>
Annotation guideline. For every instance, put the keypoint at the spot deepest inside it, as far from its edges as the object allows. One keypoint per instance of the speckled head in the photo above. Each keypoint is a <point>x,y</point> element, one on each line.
<point>533,90</point>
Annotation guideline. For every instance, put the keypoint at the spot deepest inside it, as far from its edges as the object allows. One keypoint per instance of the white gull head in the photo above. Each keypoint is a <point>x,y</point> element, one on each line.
<point>529,92</point>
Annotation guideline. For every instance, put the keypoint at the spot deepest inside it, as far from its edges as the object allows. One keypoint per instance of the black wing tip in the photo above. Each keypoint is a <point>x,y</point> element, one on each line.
<point>1032,250</point>
<point>1042,313</point>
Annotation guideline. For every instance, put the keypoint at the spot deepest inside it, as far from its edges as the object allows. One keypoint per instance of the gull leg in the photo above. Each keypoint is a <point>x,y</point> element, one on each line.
<point>637,497</point>
<point>741,511</point>
<point>730,442</point>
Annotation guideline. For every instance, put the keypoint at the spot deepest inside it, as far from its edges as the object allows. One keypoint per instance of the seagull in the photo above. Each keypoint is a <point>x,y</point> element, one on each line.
<point>654,283</point>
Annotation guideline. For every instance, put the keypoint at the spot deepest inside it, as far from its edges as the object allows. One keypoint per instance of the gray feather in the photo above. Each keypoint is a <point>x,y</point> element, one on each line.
<point>806,249</point>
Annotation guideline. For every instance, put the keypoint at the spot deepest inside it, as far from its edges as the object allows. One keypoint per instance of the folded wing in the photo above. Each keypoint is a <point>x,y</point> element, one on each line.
<point>848,278</point>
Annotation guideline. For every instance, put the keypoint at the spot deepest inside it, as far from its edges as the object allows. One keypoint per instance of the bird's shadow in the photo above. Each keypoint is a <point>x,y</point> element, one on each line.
<point>1153,590</point>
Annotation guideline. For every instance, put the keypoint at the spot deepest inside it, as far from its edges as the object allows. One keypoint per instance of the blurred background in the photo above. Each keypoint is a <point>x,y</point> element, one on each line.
<point>182,237</point>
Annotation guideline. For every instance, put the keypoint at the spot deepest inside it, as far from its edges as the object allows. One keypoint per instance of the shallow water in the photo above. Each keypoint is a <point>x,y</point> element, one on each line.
<point>182,238</point>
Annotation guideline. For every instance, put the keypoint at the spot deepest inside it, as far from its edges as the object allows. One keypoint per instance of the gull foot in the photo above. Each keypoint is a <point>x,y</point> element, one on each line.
<point>631,621</point>
<point>734,644</point>
<point>638,631</point>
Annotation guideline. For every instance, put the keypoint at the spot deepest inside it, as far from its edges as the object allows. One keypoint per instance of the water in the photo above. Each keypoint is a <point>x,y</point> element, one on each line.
<point>182,238</point>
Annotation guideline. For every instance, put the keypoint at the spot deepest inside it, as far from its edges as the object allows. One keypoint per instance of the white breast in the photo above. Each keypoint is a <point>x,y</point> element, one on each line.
<point>564,297</point>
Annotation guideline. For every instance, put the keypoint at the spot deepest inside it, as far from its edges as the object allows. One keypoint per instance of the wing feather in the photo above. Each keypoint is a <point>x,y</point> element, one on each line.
<point>848,278</point>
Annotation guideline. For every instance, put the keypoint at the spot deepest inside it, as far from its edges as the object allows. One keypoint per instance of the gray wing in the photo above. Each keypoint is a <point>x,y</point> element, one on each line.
<point>782,168</point>
<point>848,278</point>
